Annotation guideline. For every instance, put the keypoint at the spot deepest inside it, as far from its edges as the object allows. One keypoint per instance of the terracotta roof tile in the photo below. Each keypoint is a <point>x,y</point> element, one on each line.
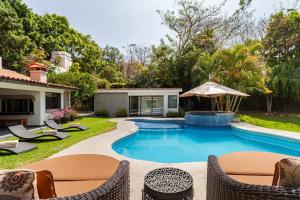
<point>15,76</point>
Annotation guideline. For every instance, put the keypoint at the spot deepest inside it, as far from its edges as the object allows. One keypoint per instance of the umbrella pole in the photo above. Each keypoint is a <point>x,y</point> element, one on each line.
<point>216,101</point>
<point>233,103</point>
<point>237,108</point>
<point>227,101</point>
<point>221,104</point>
<point>213,105</point>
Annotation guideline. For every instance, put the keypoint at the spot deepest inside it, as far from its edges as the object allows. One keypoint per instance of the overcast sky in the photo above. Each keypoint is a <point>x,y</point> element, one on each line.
<point>120,22</point>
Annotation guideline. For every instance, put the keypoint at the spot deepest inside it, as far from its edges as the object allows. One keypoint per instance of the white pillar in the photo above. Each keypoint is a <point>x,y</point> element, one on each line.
<point>42,107</point>
<point>62,102</point>
<point>165,105</point>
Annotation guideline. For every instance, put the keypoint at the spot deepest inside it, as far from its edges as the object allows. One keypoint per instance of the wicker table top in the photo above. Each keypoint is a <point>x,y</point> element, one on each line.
<point>169,183</point>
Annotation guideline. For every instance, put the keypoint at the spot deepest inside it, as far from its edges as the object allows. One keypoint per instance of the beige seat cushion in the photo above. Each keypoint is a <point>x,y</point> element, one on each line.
<point>77,167</point>
<point>250,163</point>
<point>253,180</point>
<point>68,188</point>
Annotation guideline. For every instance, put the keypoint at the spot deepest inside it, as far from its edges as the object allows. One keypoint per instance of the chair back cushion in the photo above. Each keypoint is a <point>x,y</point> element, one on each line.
<point>287,173</point>
<point>18,184</point>
<point>45,184</point>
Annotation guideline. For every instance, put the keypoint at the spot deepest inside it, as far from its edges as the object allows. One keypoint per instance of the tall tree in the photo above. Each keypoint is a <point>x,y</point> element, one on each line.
<point>14,44</point>
<point>112,55</point>
<point>282,51</point>
<point>240,67</point>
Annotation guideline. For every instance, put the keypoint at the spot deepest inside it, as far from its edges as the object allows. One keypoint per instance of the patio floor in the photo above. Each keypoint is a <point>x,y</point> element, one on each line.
<point>101,144</point>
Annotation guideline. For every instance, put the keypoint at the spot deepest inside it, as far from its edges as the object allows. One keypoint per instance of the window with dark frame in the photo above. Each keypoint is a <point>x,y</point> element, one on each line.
<point>53,100</point>
<point>172,101</point>
<point>16,106</point>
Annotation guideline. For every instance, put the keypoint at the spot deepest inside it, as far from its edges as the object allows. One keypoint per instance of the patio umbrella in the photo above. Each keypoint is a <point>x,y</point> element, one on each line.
<point>217,92</point>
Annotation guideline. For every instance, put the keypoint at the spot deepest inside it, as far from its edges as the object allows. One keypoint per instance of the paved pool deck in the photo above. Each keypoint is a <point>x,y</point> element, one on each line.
<point>101,144</point>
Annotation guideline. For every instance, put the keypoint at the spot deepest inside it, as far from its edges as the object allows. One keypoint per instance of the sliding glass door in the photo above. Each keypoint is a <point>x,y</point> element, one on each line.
<point>134,104</point>
<point>146,105</point>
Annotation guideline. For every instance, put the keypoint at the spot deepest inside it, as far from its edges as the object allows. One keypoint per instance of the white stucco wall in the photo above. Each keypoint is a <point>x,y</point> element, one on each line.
<point>40,112</point>
<point>149,92</point>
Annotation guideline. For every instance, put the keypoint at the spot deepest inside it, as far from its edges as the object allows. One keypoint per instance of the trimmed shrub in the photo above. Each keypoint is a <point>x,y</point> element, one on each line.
<point>121,112</point>
<point>102,113</point>
<point>181,112</point>
<point>172,114</point>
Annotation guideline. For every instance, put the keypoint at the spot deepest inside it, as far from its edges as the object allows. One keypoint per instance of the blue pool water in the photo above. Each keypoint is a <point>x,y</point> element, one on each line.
<point>175,142</point>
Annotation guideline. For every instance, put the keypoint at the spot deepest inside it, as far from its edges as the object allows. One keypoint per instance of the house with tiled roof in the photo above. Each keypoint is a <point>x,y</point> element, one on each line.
<point>30,99</point>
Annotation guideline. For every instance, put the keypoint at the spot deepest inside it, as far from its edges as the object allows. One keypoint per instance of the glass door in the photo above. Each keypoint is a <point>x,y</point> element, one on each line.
<point>134,106</point>
<point>157,106</point>
<point>146,105</point>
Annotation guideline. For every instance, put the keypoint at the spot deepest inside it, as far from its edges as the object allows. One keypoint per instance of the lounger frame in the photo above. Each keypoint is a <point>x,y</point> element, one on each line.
<point>20,148</point>
<point>221,187</point>
<point>24,135</point>
<point>53,125</point>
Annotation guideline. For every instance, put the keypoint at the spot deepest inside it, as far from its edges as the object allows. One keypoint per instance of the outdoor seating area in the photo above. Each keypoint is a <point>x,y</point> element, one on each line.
<point>24,136</point>
<point>83,176</point>
<point>17,148</point>
<point>252,176</point>
<point>73,127</point>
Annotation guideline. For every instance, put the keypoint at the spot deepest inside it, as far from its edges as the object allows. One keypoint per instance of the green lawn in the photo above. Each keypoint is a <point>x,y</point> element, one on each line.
<point>281,122</point>
<point>47,147</point>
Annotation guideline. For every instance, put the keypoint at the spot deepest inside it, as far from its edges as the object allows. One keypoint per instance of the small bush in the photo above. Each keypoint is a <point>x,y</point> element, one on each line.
<point>172,114</point>
<point>179,113</point>
<point>101,113</point>
<point>121,112</point>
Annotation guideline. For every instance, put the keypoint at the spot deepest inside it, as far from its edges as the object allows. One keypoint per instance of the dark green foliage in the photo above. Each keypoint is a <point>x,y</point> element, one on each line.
<point>85,82</point>
<point>22,31</point>
<point>172,114</point>
<point>102,112</point>
<point>118,85</point>
<point>282,52</point>
<point>121,112</point>
<point>14,43</point>
<point>179,113</point>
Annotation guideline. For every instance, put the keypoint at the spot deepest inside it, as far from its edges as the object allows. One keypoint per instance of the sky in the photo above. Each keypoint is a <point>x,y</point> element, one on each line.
<point>121,22</point>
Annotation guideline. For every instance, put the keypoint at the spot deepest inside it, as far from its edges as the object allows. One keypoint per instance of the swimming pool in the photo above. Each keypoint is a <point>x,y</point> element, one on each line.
<point>176,142</point>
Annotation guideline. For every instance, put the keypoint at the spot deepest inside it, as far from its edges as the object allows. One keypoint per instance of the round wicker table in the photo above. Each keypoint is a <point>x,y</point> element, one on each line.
<point>168,183</point>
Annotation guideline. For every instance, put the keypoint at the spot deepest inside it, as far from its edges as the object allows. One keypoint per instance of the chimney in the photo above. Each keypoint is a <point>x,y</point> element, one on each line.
<point>0,62</point>
<point>38,72</point>
<point>65,60</point>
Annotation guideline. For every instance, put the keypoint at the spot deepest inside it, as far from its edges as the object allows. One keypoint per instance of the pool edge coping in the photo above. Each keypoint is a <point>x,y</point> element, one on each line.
<point>268,131</point>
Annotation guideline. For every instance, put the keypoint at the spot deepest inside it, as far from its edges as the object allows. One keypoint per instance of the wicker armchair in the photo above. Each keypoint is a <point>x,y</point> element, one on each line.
<point>116,188</point>
<point>221,187</point>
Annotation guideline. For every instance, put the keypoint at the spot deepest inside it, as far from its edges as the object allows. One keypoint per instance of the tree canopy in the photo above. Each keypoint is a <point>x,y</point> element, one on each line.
<point>257,56</point>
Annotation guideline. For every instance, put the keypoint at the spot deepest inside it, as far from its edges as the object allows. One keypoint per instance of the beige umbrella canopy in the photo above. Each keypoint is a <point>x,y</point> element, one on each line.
<point>211,89</point>
<point>217,92</point>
